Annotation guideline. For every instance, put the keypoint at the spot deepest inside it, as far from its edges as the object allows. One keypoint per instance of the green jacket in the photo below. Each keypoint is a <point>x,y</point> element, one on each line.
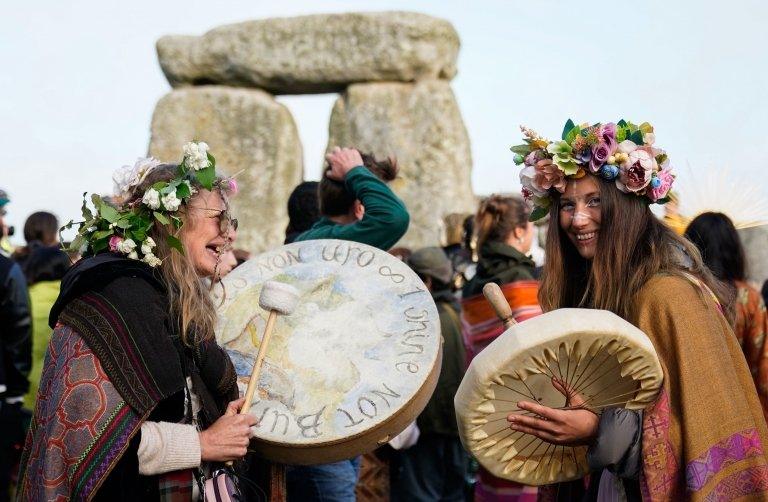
<point>499,263</point>
<point>385,220</point>
<point>42,296</point>
<point>439,416</point>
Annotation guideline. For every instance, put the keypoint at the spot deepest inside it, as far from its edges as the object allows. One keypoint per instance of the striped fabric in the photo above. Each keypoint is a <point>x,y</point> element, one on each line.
<point>479,323</point>
<point>480,326</point>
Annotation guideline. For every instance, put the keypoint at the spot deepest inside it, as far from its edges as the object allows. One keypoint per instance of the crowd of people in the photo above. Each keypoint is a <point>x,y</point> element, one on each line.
<point>112,385</point>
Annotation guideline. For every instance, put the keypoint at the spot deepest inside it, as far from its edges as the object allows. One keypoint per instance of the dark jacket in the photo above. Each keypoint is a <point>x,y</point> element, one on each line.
<point>439,416</point>
<point>15,331</point>
<point>385,220</point>
<point>499,263</point>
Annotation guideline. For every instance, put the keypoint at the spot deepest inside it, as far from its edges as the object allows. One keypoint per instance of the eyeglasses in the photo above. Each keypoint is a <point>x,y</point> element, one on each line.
<point>226,221</point>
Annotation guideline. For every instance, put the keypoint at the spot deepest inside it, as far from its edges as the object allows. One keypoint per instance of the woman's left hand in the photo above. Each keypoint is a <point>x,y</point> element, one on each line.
<point>569,427</point>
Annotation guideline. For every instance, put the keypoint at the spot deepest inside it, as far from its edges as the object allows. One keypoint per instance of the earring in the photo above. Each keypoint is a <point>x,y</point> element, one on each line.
<point>519,240</point>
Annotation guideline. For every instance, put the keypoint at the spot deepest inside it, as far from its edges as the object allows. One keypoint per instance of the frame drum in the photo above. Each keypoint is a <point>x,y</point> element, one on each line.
<point>351,367</point>
<point>598,354</point>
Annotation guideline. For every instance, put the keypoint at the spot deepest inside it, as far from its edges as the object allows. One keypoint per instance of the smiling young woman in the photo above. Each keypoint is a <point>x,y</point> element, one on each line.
<point>704,437</point>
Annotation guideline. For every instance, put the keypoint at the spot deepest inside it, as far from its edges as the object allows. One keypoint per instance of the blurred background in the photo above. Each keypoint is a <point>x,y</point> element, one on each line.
<point>80,81</point>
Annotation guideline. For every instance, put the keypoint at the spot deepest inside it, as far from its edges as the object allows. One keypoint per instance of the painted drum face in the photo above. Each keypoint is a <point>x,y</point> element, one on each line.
<point>354,363</point>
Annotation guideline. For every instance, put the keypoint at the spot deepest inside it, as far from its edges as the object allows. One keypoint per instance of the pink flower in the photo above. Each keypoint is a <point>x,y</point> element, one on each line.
<point>608,136</point>
<point>232,186</point>
<point>600,153</point>
<point>635,174</point>
<point>667,178</point>
<point>530,187</point>
<point>114,242</point>
<point>626,146</point>
<point>532,158</point>
<point>549,176</point>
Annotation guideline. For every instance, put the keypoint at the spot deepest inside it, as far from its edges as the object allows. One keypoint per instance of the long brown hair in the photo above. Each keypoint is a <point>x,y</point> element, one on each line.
<point>498,216</point>
<point>188,297</point>
<point>632,247</point>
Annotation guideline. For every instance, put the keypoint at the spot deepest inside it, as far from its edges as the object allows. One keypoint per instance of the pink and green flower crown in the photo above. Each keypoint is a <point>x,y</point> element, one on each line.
<point>622,152</point>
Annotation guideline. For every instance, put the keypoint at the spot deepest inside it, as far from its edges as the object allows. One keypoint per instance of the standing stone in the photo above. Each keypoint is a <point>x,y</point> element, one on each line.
<point>249,133</point>
<point>314,54</point>
<point>755,242</point>
<point>421,125</point>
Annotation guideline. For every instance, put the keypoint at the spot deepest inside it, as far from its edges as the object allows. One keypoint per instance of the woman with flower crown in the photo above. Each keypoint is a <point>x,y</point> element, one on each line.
<point>704,438</point>
<point>135,397</point>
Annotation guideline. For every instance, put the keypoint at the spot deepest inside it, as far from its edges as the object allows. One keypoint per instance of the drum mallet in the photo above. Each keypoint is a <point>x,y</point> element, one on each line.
<point>277,298</point>
<point>495,297</point>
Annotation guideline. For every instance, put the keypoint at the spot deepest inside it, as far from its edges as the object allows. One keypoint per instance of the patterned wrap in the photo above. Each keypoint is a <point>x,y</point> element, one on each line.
<point>81,426</point>
<point>704,438</point>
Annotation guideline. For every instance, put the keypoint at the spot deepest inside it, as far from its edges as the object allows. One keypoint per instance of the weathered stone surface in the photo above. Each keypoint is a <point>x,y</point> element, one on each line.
<point>755,241</point>
<point>421,125</point>
<point>247,131</point>
<point>314,54</point>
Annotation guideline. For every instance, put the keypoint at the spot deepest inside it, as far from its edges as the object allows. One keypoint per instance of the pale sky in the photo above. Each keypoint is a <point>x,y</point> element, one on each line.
<point>81,80</point>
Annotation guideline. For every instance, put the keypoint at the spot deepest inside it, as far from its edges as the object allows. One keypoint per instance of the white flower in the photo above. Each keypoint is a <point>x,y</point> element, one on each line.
<point>151,198</point>
<point>128,177</point>
<point>527,179</point>
<point>649,138</point>
<point>170,201</point>
<point>133,256</point>
<point>196,155</point>
<point>126,246</point>
<point>147,246</point>
<point>151,260</point>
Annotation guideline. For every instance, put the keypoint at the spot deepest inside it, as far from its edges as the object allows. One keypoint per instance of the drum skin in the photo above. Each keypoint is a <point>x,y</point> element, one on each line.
<point>350,368</point>
<point>607,360</point>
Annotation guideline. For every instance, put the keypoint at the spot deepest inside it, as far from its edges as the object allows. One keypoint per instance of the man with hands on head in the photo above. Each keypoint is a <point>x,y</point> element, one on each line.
<point>355,202</point>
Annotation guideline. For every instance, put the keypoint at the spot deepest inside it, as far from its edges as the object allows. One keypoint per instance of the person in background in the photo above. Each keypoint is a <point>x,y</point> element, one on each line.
<point>5,231</point>
<point>44,264</point>
<point>434,469</point>
<point>40,231</point>
<point>356,205</point>
<point>402,253</point>
<point>15,364</point>
<point>718,241</point>
<point>303,210</point>
<point>504,238</point>
<point>355,202</point>
<point>453,245</point>
<point>764,291</point>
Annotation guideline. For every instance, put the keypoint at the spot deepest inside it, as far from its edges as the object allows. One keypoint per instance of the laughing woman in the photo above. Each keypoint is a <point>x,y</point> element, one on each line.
<point>136,398</point>
<point>704,437</point>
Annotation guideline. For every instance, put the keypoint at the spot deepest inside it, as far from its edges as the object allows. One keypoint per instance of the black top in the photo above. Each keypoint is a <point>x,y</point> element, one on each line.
<point>499,263</point>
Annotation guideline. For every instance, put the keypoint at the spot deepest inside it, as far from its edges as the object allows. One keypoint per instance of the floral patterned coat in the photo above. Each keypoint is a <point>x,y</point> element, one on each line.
<point>751,329</point>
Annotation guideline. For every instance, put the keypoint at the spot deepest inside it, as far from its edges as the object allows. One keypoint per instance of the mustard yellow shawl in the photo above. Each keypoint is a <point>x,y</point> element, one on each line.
<point>705,436</point>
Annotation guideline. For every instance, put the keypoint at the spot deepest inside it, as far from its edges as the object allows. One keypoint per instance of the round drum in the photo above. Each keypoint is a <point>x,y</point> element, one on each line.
<point>351,367</point>
<point>599,355</point>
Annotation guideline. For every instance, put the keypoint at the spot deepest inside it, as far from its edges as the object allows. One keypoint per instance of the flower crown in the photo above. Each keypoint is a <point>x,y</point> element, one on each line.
<point>623,152</point>
<point>123,226</point>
